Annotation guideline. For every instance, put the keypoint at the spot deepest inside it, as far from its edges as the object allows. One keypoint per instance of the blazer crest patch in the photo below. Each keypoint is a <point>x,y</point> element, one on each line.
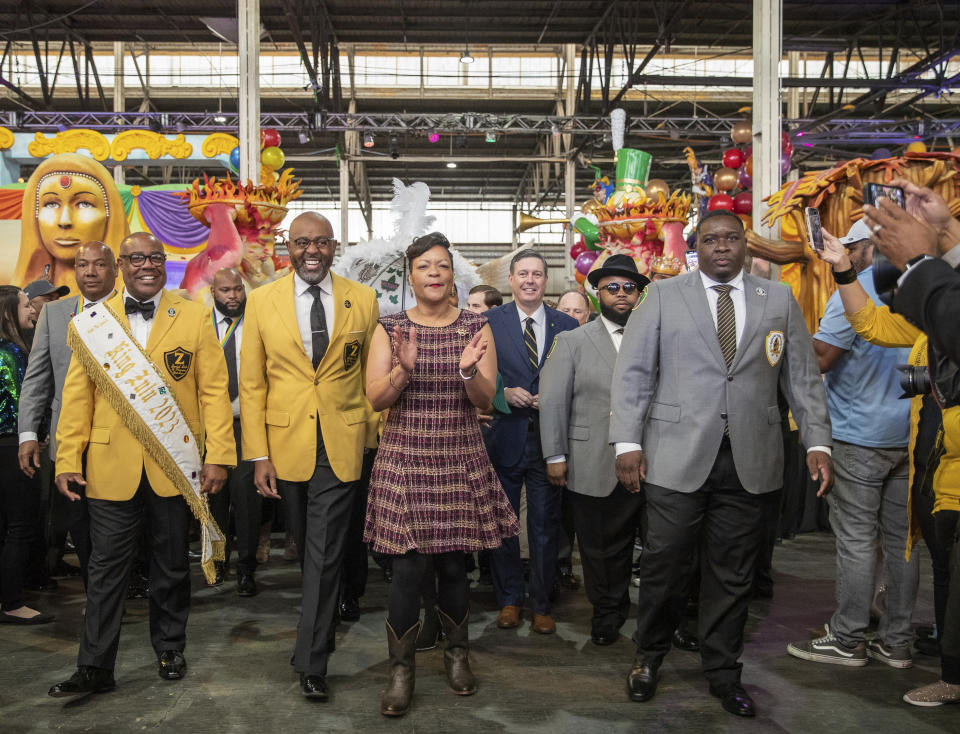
<point>773,346</point>
<point>177,361</point>
<point>351,354</point>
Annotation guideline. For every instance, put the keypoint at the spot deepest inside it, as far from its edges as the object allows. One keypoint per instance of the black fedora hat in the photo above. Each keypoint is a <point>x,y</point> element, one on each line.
<point>622,265</point>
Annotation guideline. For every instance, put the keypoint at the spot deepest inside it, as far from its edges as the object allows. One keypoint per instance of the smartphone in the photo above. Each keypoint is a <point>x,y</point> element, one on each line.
<point>873,192</point>
<point>811,216</point>
<point>692,259</point>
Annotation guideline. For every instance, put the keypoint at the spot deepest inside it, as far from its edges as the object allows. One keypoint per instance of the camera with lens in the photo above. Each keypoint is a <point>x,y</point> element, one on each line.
<point>914,380</point>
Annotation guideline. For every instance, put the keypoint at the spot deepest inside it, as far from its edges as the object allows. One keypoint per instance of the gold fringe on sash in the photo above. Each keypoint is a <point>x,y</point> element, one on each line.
<point>135,424</point>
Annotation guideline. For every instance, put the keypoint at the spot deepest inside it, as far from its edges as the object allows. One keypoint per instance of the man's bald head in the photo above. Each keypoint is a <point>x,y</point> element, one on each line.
<point>96,270</point>
<point>310,218</point>
<point>137,240</point>
<point>229,296</point>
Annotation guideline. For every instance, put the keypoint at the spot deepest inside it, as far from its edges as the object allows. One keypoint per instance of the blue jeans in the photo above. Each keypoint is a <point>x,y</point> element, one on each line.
<point>868,506</point>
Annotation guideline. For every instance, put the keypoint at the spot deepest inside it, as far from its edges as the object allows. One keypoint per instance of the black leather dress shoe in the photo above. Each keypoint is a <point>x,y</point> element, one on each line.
<point>246,586</point>
<point>683,640</point>
<point>567,580</point>
<point>604,635</point>
<point>86,680</point>
<point>349,609</point>
<point>171,665</point>
<point>642,680</point>
<point>314,687</point>
<point>735,700</point>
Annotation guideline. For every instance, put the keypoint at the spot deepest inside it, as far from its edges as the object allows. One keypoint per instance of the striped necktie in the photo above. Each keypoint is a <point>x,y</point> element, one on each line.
<point>530,339</point>
<point>726,323</point>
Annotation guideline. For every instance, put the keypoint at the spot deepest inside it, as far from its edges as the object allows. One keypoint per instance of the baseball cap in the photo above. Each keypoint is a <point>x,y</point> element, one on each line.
<point>43,287</point>
<point>859,231</point>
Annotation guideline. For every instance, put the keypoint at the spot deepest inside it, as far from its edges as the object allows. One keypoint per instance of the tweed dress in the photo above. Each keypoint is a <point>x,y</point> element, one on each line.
<point>433,488</point>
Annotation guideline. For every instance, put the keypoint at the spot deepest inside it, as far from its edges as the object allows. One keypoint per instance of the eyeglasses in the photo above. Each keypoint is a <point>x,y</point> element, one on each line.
<point>614,288</point>
<point>138,258</point>
<point>322,243</point>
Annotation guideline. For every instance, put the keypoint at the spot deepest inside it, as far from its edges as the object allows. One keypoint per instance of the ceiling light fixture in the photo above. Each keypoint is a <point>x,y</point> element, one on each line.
<point>394,147</point>
<point>434,137</point>
<point>466,58</point>
<point>451,164</point>
<point>368,140</point>
<point>491,136</point>
<point>220,118</point>
<point>303,137</point>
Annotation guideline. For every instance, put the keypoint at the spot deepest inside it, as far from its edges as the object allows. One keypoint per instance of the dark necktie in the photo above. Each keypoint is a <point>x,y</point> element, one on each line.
<point>530,339</point>
<point>146,308</point>
<point>726,330</point>
<point>318,326</point>
<point>230,352</point>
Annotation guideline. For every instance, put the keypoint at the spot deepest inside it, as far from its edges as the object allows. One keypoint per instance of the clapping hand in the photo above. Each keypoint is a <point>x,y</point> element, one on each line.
<point>472,353</point>
<point>405,347</point>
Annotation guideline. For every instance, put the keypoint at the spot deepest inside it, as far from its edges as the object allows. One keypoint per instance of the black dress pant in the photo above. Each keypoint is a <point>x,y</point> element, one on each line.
<point>115,529</point>
<point>19,526</point>
<point>606,527</point>
<point>240,493</point>
<point>725,522</point>
<point>318,514</point>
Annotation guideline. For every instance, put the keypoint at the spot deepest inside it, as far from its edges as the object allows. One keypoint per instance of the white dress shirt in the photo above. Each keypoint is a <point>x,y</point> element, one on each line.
<point>139,326</point>
<point>222,327</point>
<point>740,311</point>
<point>616,338</point>
<point>31,435</point>
<point>303,302</point>
<point>539,326</point>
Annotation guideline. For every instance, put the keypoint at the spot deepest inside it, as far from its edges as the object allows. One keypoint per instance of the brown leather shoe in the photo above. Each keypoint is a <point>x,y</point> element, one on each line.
<point>543,624</point>
<point>509,617</point>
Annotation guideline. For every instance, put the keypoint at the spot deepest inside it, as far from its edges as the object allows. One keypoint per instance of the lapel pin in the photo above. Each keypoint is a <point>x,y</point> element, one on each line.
<point>346,303</point>
<point>761,292</point>
<point>171,313</point>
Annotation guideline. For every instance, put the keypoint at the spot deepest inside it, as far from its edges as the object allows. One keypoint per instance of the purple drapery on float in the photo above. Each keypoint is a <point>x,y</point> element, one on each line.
<point>167,217</point>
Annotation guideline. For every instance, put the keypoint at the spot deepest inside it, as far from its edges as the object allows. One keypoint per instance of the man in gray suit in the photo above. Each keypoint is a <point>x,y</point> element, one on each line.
<point>574,422</point>
<point>96,269</point>
<point>696,386</point>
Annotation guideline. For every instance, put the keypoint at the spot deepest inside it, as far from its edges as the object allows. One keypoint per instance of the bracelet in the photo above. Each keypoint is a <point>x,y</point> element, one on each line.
<point>465,377</point>
<point>845,277</point>
<point>390,380</point>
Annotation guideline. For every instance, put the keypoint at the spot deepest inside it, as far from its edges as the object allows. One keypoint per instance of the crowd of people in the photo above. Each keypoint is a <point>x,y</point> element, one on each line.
<point>655,420</point>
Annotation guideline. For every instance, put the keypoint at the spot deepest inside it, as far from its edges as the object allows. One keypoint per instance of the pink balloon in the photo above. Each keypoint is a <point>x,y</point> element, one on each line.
<point>585,261</point>
<point>785,163</point>
<point>743,202</point>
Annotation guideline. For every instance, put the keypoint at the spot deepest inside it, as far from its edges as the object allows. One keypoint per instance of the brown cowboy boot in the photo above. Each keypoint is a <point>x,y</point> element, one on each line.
<point>456,655</point>
<point>396,699</point>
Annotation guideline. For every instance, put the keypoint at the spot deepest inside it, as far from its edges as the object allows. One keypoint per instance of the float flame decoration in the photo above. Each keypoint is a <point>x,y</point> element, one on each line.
<point>243,219</point>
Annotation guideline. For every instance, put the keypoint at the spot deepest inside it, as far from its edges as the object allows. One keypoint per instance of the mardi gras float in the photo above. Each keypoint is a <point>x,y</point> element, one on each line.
<point>243,221</point>
<point>639,217</point>
<point>838,194</point>
<point>382,263</point>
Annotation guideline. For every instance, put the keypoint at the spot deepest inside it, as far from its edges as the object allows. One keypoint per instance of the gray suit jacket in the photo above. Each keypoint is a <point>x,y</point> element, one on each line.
<point>47,369</point>
<point>575,407</point>
<point>672,389</point>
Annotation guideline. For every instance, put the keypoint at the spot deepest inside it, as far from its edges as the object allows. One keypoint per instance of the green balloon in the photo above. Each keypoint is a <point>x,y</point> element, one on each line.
<point>591,236</point>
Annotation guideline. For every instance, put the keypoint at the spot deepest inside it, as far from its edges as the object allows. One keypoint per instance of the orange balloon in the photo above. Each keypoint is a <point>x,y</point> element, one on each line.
<point>748,166</point>
<point>725,179</point>
<point>747,221</point>
<point>579,277</point>
<point>917,146</point>
<point>742,132</point>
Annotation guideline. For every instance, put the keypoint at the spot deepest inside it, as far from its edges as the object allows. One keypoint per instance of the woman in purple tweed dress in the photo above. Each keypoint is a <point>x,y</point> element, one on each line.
<point>433,492</point>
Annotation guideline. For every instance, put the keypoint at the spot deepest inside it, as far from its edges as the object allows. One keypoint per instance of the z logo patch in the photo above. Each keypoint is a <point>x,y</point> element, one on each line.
<point>351,354</point>
<point>773,346</point>
<point>178,362</point>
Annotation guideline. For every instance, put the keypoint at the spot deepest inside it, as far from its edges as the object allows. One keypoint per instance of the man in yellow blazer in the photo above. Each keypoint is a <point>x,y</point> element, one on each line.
<point>304,418</point>
<point>124,485</point>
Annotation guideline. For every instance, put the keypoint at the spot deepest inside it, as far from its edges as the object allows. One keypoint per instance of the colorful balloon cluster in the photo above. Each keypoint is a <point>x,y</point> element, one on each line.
<point>737,173</point>
<point>271,157</point>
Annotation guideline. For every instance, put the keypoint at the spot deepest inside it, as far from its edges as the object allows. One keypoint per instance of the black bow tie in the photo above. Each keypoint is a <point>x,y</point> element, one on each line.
<point>145,308</point>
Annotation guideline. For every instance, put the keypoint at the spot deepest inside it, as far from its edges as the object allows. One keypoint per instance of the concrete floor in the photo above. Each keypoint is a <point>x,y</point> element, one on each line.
<point>240,680</point>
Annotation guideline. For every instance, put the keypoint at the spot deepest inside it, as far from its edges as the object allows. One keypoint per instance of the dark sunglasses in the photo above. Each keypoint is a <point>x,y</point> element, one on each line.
<point>614,288</point>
